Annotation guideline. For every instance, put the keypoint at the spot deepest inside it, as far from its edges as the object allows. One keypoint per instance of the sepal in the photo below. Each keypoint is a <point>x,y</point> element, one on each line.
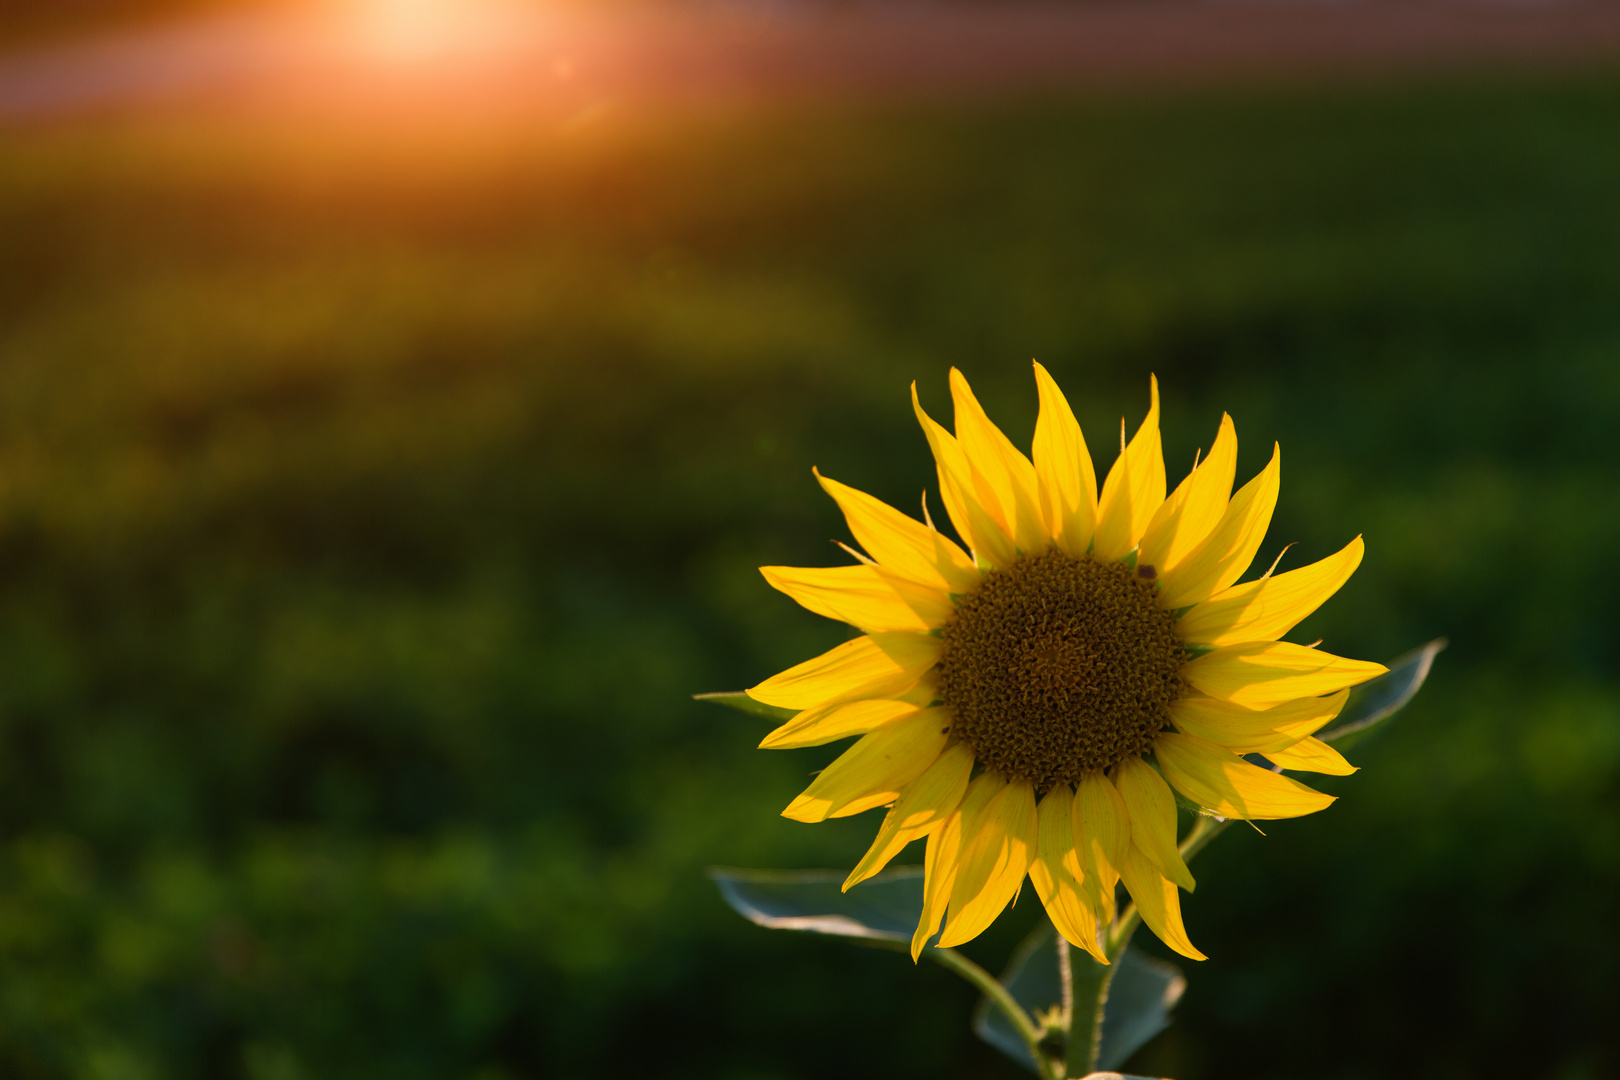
<point>736,699</point>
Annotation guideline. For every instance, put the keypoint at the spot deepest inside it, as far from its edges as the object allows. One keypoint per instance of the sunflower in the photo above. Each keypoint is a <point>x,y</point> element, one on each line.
<point>1035,707</point>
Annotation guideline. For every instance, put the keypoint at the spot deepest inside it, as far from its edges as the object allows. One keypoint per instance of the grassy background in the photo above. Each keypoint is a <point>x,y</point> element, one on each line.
<point>370,505</point>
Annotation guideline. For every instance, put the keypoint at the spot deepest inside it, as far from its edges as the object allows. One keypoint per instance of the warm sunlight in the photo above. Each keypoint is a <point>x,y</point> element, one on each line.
<point>414,30</point>
<point>431,429</point>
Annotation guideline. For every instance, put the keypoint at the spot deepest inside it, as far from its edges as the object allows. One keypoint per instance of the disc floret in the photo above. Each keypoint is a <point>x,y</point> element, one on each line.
<point>1056,667</point>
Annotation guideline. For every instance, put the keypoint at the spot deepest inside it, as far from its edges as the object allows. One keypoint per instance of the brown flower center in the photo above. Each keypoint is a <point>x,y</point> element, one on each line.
<point>1056,667</point>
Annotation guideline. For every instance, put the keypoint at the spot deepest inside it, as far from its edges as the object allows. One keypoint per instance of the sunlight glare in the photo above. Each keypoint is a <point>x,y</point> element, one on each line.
<point>411,30</point>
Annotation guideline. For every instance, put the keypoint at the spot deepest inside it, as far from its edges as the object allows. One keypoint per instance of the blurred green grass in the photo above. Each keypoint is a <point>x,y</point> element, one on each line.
<point>370,503</point>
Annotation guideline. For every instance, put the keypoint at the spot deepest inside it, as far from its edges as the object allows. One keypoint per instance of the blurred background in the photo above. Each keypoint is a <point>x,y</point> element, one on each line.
<point>396,400</point>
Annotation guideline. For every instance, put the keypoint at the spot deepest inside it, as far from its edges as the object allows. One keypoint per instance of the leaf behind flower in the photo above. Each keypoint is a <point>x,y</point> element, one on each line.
<point>1143,993</point>
<point>1373,704</point>
<point>885,907</point>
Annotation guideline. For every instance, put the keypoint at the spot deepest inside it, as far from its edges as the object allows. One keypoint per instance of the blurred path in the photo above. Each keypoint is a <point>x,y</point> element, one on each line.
<point>494,56</point>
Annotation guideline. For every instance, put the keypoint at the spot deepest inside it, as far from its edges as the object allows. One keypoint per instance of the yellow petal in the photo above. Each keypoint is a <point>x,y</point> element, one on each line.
<point>1067,484</point>
<point>923,807</point>
<point>1260,674</point>
<point>1152,806</point>
<point>989,539</point>
<point>997,844</point>
<point>1229,549</point>
<point>817,727</point>
<point>1102,830</point>
<point>1157,902</point>
<point>863,596</point>
<point>1267,609</point>
<point>939,871</point>
<point>1193,510</point>
<point>1009,473</point>
<point>1134,489</point>
<point>872,772</point>
<point>877,665</point>
<point>901,544</point>
<point>1247,731</point>
<point>1055,873</point>
<point>1219,780</point>
<point>1312,755</point>
<point>942,859</point>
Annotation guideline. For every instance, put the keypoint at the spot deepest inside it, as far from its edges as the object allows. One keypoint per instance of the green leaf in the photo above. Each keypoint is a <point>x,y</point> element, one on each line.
<point>1143,992</point>
<point>885,907</point>
<point>1033,980</point>
<point>1373,704</point>
<point>736,699</point>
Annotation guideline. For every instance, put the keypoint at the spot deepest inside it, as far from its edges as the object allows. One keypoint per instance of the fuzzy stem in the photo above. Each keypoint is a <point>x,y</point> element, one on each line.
<point>1065,978</point>
<point>1091,982</point>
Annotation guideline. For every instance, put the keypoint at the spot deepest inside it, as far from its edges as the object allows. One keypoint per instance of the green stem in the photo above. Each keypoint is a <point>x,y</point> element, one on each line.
<point>1065,978</point>
<point>1085,982</point>
<point>1091,990</point>
<point>1203,831</point>
<point>1091,982</point>
<point>991,987</point>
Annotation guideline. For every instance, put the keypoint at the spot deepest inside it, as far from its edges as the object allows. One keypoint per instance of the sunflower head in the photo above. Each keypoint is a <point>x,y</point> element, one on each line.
<point>1033,704</point>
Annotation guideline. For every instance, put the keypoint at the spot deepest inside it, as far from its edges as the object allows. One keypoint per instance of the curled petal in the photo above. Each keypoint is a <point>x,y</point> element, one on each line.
<point>1158,902</point>
<point>1219,780</point>
<point>1312,755</point>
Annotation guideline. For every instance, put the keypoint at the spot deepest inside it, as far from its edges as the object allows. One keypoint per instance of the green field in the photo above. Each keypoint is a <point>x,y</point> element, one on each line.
<point>370,505</point>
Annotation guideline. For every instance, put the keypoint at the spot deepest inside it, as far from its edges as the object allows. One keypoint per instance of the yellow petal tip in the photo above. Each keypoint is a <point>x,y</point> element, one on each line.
<point>805,811</point>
